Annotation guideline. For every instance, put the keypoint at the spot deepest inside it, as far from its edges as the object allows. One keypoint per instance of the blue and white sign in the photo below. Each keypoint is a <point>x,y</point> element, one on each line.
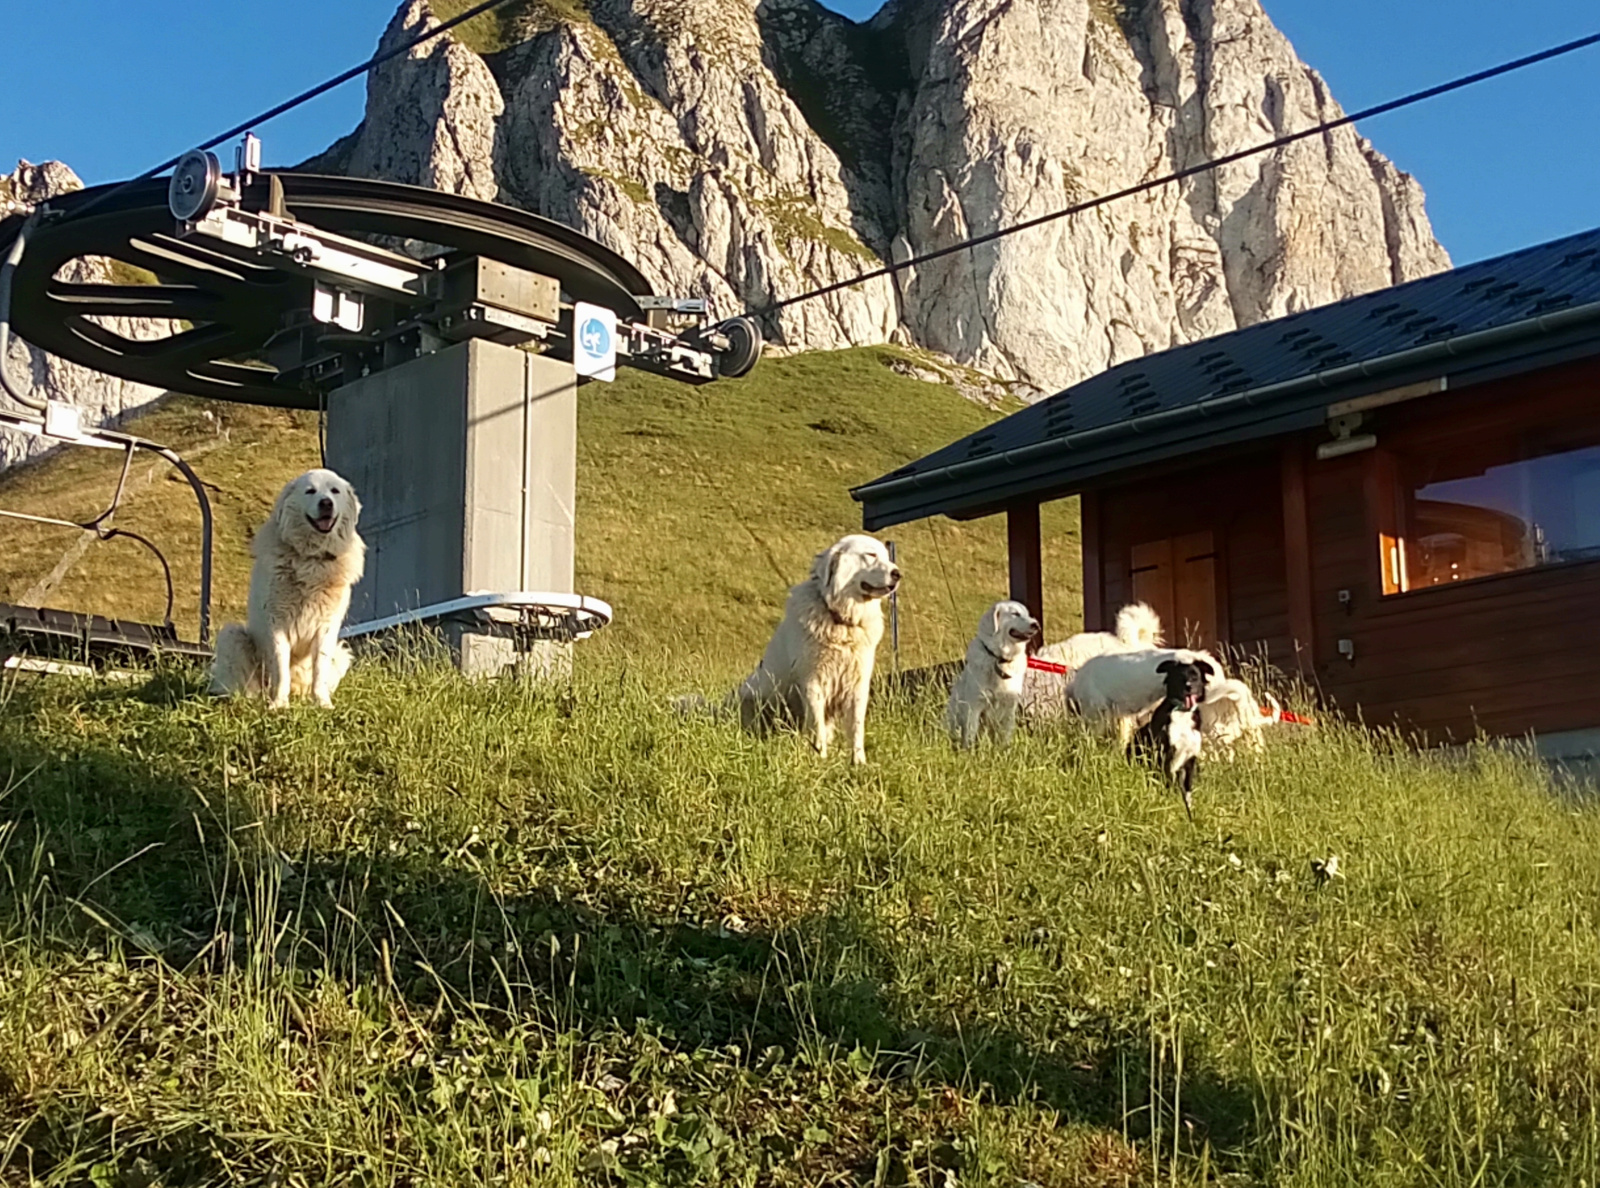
<point>594,341</point>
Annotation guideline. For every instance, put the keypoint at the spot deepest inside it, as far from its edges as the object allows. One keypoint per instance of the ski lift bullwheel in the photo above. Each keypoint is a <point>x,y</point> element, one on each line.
<point>223,311</point>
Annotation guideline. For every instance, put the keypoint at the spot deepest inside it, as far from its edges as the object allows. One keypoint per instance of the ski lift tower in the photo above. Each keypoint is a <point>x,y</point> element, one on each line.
<point>442,337</point>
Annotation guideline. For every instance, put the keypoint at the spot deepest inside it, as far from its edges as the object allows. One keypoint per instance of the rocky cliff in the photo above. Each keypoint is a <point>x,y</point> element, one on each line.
<point>103,399</point>
<point>747,152</point>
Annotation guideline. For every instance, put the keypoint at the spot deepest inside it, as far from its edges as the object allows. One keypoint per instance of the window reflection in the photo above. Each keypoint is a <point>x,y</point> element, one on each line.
<point>1477,511</point>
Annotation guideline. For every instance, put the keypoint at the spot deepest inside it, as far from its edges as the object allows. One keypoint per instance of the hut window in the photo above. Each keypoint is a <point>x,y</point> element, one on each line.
<point>1178,578</point>
<point>1482,508</point>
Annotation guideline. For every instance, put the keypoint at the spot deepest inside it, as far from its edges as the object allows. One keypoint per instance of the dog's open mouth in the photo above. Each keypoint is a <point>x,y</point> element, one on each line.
<point>323,524</point>
<point>872,591</point>
<point>1015,634</point>
<point>1189,701</point>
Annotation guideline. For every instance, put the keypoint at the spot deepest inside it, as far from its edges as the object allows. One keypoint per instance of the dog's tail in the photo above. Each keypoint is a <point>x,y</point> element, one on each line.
<point>1139,626</point>
<point>1276,713</point>
<point>235,667</point>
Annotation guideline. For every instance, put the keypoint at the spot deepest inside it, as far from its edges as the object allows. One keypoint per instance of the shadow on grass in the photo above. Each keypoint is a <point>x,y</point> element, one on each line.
<point>177,869</point>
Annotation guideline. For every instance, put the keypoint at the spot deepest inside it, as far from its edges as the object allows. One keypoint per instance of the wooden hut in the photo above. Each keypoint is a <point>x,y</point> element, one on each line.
<point>1398,494</point>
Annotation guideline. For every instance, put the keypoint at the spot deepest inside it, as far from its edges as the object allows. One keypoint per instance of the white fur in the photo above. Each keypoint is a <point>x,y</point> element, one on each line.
<point>986,694</point>
<point>1117,690</point>
<point>1045,693</point>
<point>817,671</point>
<point>299,593</point>
<point>1230,716</point>
<point>1186,742</point>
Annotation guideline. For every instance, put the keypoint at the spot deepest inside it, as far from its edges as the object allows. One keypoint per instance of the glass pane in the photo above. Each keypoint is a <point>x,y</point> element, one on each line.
<point>1475,516</point>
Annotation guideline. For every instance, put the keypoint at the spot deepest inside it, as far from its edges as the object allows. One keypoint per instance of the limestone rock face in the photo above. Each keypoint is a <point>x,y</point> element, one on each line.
<point>751,151</point>
<point>1021,108</point>
<point>102,398</point>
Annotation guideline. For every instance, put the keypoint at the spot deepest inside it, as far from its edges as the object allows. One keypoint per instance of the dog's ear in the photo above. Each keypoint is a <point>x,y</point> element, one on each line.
<point>281,517</point>
<point>1206,667</point>
<point>353,502</point>
<point>995,613</point>
<point>1166,666</point>
<point>819,566</point>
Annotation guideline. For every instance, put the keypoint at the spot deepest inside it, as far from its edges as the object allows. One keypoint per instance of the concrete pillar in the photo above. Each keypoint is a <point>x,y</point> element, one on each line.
<point>465,462</point>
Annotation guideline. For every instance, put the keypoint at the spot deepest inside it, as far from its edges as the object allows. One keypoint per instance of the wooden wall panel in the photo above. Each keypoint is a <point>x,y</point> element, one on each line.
<point>1230,510</point>
<point>1094,583</point>
<point>1297,552</point>
<point>1503,654</point>
<point>1026,556</point>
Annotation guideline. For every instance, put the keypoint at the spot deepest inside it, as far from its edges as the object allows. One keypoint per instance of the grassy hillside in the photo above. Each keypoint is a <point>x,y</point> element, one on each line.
<point>697,508</point>
<point>506,935</point>
<point>471,935</point>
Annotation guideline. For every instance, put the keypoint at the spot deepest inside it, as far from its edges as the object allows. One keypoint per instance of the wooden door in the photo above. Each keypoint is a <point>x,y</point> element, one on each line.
<point>1178,578</point>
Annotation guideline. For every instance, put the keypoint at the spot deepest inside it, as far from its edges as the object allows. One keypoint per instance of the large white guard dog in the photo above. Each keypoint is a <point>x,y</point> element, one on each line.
<point>1044,694</point>
<point>817,671</point>
<point>985,696</point>
<point>307,557</point>
<point>1117,691</point>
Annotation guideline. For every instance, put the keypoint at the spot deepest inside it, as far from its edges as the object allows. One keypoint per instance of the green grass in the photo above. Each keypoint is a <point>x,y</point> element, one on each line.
<point>449,934</point>
<point>487,935</point>
<point>697,508</point>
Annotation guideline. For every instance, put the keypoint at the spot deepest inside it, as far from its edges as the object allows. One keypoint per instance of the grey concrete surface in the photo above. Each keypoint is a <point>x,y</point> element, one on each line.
<point>465,461</point>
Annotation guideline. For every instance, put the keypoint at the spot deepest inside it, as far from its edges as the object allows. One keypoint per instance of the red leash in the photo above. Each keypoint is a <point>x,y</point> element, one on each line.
<point>1052,667</point>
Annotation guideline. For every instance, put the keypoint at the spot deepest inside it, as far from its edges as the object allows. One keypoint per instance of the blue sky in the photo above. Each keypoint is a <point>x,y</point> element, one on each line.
<point>113,87</point>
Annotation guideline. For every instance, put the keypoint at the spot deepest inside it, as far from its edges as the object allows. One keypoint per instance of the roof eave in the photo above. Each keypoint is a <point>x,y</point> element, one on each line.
<point>1080,456</point>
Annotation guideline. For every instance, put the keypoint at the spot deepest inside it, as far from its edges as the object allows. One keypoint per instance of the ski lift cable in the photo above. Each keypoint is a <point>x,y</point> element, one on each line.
<point>304,97</point>
<point>1378,109</point>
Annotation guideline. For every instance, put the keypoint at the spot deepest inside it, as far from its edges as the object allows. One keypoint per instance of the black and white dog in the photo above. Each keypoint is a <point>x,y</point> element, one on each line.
<point>1172,735</point>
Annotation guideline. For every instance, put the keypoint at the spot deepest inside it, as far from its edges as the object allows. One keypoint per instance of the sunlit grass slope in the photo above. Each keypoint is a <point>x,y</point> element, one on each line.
<point>697,508</point>
<point>484,935</point>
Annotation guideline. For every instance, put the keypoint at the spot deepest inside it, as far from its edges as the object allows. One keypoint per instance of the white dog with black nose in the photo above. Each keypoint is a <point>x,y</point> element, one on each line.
<point>817,671</point>
<point>307,557</point>
<point>985,697</point>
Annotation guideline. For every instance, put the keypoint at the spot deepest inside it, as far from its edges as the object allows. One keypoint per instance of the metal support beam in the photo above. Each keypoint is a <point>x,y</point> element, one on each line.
<point>1027,561</point>
<point>1297,554</point>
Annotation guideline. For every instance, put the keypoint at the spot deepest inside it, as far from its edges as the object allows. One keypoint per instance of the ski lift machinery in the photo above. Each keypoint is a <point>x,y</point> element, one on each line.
<point>441,339</point>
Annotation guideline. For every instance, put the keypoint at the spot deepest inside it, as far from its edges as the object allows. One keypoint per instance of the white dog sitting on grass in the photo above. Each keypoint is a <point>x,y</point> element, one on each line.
<point>307,557</point>
<point>985,696</point>
<point>817,671</point>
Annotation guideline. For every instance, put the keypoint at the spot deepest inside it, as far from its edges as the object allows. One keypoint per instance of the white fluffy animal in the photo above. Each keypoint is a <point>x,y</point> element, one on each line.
<point>1116,691</point>
<point>817,670</point>
<point>307,557</point>
<point>986,694</point>
<point>1044,694</point>
<point>1231,717</point>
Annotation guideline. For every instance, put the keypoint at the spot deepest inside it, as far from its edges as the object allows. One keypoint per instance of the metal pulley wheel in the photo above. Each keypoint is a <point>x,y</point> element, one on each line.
<point>744,347</point>
<point>195,184</point>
